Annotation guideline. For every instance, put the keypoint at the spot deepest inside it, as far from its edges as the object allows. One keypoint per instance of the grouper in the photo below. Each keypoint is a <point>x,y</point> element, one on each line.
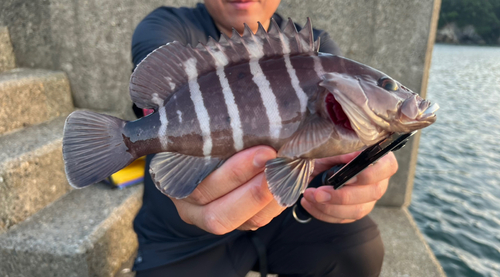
<point>211,101</point>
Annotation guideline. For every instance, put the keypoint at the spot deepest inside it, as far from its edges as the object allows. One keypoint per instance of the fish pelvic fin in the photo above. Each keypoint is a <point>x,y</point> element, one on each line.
<point>288,178</point>
<point>177,175</point>
<point>93,148</point>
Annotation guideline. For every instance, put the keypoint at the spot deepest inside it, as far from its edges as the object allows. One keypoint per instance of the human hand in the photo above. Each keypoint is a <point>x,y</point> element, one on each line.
<point>357,198</point>
<point>235,196</point>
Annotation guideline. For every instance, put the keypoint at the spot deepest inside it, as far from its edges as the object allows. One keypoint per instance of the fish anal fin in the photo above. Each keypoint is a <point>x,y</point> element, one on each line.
<point>288,178</point>
<point>313,132</point>
<point>177,175</point>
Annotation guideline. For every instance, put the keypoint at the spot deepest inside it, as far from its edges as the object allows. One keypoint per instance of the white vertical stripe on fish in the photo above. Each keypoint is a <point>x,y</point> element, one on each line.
<point>170,83</point>
<point>162,132</point>
<point>301,95</point>
<point>232,109</point>
<point>199,106</point>
<point>318,67</point>
<point>179,116</point>
<point>268,98</point>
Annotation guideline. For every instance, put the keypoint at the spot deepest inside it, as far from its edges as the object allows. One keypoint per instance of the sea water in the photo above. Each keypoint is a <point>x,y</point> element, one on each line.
<point>456,195</point>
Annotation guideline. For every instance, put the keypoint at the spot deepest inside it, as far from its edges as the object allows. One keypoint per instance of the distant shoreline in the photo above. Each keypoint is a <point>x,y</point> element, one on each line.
<point>452,33</point>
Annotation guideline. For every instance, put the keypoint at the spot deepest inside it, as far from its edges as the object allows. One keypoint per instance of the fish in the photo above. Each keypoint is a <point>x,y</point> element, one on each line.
<point>215,99</point>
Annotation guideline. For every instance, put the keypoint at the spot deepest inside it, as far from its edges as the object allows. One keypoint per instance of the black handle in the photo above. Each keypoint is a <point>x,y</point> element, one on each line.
<point>351,169</point>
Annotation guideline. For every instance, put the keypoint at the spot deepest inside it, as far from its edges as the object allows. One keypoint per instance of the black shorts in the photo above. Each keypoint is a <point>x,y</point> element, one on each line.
<point>289,249</point>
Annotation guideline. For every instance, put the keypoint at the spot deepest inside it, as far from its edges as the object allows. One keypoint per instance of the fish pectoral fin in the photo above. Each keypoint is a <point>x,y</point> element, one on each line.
<point>314,132</point>
<point>288,178</point>
<point>177,175</point>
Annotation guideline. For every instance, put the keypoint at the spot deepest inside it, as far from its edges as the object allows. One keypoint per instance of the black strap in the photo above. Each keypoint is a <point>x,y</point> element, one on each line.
<point>261,251</point>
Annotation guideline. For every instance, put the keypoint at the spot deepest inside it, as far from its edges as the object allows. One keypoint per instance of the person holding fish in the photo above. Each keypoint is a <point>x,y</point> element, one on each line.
<point>241,125</point>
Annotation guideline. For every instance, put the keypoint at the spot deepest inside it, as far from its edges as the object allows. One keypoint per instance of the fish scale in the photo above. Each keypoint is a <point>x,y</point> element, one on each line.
<point>214,100</point>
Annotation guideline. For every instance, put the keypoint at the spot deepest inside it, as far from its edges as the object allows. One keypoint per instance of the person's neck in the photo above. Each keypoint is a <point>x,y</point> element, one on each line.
<point>229,31</point>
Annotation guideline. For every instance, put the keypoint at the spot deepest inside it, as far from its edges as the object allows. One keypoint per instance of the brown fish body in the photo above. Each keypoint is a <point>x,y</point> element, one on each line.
<point>259,89</point>
<point>184,132</point>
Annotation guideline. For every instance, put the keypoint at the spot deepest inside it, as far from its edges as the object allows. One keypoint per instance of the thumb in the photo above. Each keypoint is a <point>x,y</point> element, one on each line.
<point>237,170</point>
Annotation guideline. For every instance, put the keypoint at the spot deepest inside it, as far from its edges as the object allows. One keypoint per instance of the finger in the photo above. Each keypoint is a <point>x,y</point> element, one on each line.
<point>263,217</point>
<point>316,213</point>
<point>382,169</point>
<point>347,195</point>
<point>338,213</point>
<point>237,170</point>
<point>323,164</point>
<point>231,210</point>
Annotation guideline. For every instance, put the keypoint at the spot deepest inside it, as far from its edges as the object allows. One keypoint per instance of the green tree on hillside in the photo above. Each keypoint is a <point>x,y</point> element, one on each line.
<point>484,15</point>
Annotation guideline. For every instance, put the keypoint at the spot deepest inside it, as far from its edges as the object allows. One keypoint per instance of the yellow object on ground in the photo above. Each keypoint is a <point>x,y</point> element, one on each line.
<point>130,175</point>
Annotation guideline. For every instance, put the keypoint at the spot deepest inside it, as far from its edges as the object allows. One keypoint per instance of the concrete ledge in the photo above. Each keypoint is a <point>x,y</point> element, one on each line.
<point>87,232</point>
<point>406,252</point>
<point>7,59</point>
<point>31,171</point>
<point>32,96</point>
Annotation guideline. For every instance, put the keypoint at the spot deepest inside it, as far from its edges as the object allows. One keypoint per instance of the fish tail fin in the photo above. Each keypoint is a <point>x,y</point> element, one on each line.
<point>93,147</point>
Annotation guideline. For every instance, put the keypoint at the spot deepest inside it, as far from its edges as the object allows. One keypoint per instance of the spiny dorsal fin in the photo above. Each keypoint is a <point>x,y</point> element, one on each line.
<point>224,40</point>
<point>306,35</point>
<point>247,32</point>
<point>168,68</point>
<point>290,29</point>
<point>261,32</point>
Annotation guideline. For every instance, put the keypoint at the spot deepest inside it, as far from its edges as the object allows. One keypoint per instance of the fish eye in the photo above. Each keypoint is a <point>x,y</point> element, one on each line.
<point>388,84</point>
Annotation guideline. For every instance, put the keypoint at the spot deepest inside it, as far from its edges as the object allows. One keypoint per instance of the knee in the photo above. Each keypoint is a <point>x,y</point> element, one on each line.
<point>362,260</point>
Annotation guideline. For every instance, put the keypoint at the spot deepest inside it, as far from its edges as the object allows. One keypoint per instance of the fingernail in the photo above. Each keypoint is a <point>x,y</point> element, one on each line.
<point>352,180</point>
<point>261,157</point>
<point>309,195</point>
<point>322,197</point>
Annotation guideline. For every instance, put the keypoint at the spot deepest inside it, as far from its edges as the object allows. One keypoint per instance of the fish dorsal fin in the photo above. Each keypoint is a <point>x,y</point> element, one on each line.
<point>307,39</point>
<point>171,66</point>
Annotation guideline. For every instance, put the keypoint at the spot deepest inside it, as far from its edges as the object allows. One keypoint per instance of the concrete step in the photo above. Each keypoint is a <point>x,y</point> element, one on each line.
<point>31,171</point>
<point>406,251</point>
<point>32,96</point>
<point>87,232</point>
<point>7,58</point>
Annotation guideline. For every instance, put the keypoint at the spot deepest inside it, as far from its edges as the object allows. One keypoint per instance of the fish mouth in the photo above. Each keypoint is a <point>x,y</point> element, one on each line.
<point>416,109</point>
<point>337,114</point>
<point>429,112</point>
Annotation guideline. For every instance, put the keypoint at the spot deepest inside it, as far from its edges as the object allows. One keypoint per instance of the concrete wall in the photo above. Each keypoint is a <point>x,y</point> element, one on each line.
<point>90,41</point>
